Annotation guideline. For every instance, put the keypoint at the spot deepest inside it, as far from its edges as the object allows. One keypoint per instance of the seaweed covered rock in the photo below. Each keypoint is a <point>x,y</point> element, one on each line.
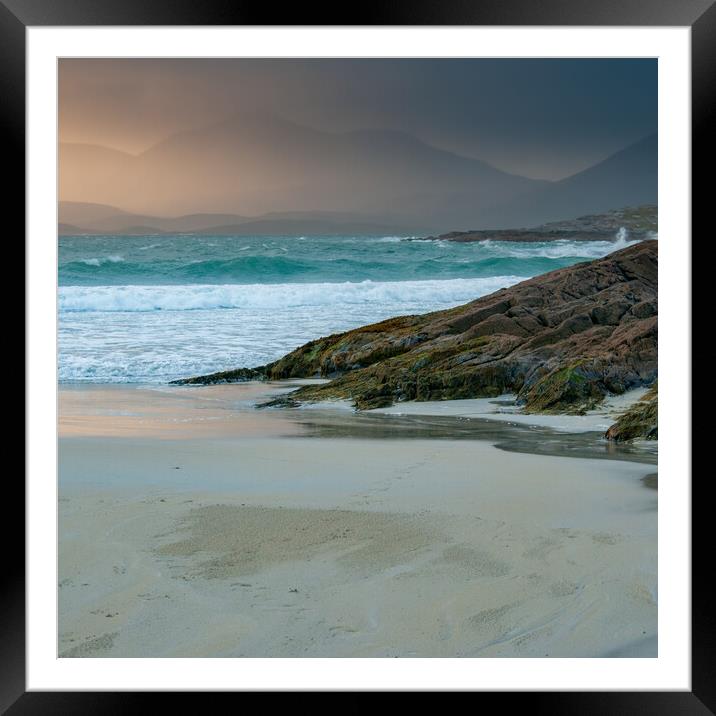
<point>562,341</point>
<point>570,388</point>
<point>228,376</point>
<point>641,421</point>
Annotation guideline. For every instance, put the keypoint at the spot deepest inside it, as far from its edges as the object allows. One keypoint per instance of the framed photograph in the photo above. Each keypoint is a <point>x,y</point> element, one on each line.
<point>346,345</point>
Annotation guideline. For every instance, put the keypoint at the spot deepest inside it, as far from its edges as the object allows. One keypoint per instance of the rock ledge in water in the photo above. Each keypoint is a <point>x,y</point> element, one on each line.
<point>561,341</point>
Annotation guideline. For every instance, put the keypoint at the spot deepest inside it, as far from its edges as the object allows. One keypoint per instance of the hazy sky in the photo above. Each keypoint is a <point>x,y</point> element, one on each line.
<point>538,118</point>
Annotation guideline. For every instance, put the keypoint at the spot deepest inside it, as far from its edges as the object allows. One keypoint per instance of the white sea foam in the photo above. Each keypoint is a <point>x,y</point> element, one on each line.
<point>153,333</point>
<point>558,249</point>
<point>274,296</point>
<point>114,259</point>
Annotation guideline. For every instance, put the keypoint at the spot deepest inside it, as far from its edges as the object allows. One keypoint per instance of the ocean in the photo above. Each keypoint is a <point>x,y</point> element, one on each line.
<point>149,309</point>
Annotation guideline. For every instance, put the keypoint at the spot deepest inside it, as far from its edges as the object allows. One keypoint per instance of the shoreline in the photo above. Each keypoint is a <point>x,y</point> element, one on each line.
<point>236,410</point>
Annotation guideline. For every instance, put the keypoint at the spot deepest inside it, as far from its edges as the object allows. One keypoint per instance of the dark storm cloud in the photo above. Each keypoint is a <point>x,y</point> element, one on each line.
<point>540,118</point>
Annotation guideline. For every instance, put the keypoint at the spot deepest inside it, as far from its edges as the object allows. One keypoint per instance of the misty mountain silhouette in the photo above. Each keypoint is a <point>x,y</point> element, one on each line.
<point>259,164</point>
<point>87,218</point>
<point>627,178</point>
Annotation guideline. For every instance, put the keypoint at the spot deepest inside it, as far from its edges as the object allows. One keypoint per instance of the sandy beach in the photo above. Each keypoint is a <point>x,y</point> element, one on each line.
<point>192,524</point>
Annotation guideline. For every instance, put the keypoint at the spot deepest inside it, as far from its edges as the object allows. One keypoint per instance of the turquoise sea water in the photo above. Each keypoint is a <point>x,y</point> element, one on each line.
<point>148,309</point>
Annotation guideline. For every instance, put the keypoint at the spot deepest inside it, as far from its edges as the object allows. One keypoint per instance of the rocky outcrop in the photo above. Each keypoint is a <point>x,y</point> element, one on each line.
<point>640,222</point>
<point>641,421</point>
<point>561,341</point>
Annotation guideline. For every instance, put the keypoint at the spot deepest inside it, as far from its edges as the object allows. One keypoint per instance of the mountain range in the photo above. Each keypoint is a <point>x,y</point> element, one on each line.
<point>77,218</point>
<point>261,174</point>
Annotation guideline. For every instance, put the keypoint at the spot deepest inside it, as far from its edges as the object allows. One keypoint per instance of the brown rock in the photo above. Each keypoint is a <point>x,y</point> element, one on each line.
<point>561,341</point>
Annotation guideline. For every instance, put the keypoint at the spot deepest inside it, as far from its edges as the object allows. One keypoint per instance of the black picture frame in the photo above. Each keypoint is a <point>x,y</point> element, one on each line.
<point>700,15</point>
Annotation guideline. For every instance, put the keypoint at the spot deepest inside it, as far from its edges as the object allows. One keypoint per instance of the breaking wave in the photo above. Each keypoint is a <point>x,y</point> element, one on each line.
<point>274,296</point>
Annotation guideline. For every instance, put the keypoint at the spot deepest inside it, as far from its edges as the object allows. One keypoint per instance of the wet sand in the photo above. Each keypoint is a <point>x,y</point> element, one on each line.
<point>192,524</point>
